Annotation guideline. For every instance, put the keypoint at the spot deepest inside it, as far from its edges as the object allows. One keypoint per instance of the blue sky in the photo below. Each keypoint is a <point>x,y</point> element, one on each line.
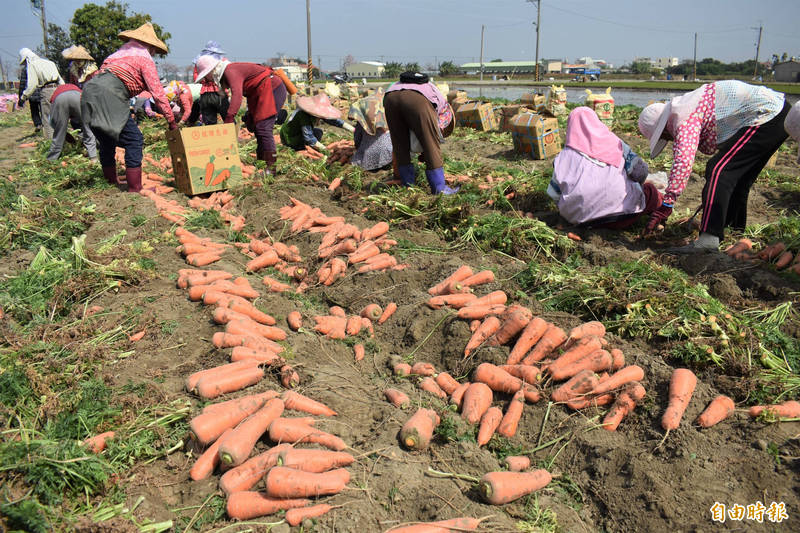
<point>436,30</point>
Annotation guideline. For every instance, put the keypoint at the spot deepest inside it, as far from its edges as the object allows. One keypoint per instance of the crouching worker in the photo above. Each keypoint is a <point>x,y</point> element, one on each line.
<point>415,106</point>
<point>65,105</point>
<point>105,102</point>
<point>371,136</point>
<point>597,179</point>
<point>301,130</point>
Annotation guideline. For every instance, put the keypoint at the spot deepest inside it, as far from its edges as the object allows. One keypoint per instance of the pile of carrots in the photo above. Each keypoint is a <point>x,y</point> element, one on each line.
<point>775,253</point>
<point>337,325</point>
<point>310,153</point>
<point>199,251</point>
<point>341,151</point>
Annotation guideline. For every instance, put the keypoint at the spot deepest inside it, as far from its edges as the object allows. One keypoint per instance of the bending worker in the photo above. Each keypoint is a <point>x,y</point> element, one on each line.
<point>81,64</point>
<point>41,74</point>
<point>66,106</point>
<point>415,105</point>
<point>212,100</point>
<point>371,136</point>
<point>301,130</point>
<point>742,124</point>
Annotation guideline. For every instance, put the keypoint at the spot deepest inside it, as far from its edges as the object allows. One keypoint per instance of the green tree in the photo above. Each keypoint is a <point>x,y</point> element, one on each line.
<point>393,69</point>
<point>447,68</point>
<point>641,67</point>
<point>496,61</point>
<point>96,27</point>
<point>57,41</point>
<point>413,67</point>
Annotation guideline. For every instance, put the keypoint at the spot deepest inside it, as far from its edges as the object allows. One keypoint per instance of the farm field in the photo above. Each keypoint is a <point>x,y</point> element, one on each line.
<point>84,268</point>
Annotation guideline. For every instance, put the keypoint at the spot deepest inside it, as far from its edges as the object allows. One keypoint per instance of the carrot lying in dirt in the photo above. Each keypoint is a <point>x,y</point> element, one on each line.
<point>137,336</point>
<point>205,464</point>
<point>481,278</point>
<point>789,409</point>
<point>270,258</point>
<point>240,353</point>
<point>441,526</point>
<point>456,301</point>
<point>391,307</point>
<point>619,378</point>
<point>489,423</point>
<point>401,369</point>
<point>597,361</point>
<point>237,446</point>
<point>208,426</point>
<point>508,426</point>
<point>457,396</point>
<point>429,385</point>
<point>528,374</point>
<point>298,402</point>
<point>783,260</point>
<point>372,311</point>
<point>580,384</point>
<point>517,463</point>
<point>359,352</point>
<point>587,329</point>
<point>288,430</point>
<point>417,432</point>
<point>397,398</point>
<point>334,327</point>
<point>295,320</point>
<point>216,385</point>
<point>681,387</point>
<point>315,461</point>
<point>514,319</point>
<point>718,410</point>
<point>527,339</point>
<point>372,233</point>
<point>499,488</point>
<point>246,475</point>
<point>274,285</point>
<point>477,399</point>
<point>289,377</point>
<point>743,245</point>
<point>245,505</point>
<point>97,443</point>
<point>421,368</point>
<point>296,516</point>
<point>203,278</point>
<point>229,340</point>
<point>578,351</point>
<point>446,382</point>
<point>460,274</point>
<point>251,327</point>
<point>552,338</point>
<point>191,381</point>
<point>352,326</point>
<point>624,404</point>
<point>493,298</point>
<point>282,482</point>
<point>489,327</point>
<point>501,381</point>
<point>617,359</point>
<point>203,259</point>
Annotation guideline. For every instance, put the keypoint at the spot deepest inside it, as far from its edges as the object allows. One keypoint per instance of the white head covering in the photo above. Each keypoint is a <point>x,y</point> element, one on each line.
<point>659,116</point>
<point>26,54</point>
<point>792,125</point>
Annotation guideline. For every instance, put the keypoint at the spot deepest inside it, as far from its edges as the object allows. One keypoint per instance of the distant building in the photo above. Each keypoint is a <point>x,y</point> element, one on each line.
<point>500,67</point>
<point>787,71</point>
<point>665,62</point>
<point>552,66</point>
<point>295,72</point>
<point>366,69</point>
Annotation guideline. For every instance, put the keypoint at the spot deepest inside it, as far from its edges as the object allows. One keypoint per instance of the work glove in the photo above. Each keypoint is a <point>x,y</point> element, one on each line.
<point>320,147</point>
<point>348,127</point>
<point>657,217</point>
<point>173,126</point>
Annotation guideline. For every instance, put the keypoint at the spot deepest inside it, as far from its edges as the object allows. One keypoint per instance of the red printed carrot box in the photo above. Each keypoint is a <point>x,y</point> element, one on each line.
<point>205,158</point>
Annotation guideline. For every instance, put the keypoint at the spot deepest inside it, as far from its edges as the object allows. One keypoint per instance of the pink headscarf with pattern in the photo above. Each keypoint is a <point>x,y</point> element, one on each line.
<point>586,134</point>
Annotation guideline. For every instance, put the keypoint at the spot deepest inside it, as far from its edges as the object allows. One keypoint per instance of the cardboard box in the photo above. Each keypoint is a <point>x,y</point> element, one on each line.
<point>458,102</point>
<point>535,135</point>
<point>603,105</point>
<point>533,100</point>
<point>477,115</point>
<point>192,149</point>
<point>508,112</point>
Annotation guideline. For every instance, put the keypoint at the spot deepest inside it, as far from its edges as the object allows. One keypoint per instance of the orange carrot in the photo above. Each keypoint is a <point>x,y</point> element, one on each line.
<point>461,273</point>
<point>423,369</point>
<point>587,329</point>
<point>397,398</point>
<point>455,287</point>
<point>515,318</point>
<point>358,351</point>
<point>295,320</point>
<point>718,410</point>
<point>488,328</point>
<point>452,300</point>
<point>282,482</point>
<point>496,378</point>
<point>375,231</point>
<point>137,336</point>
<point>391,307</point>
<point>97,443</point>
<point>624,404</point>
<point>296,516</point>
<point>681,387</point>
<point>580,384</point>
<point>552,338</point>
<point>251,327</point>
<point>289,377</point>
<point>508,426</point>
<point>457,396</point>
<point>236,447</point>
<point>191,381</point>
<point>417,432</point>
<point>788,409</point>
<point>783,260</point>
<point>246,475</point>
<point>313,460</point>
<point>597,361</point>
<point>203,259</point>
<point>264,260</point>
<point>528,374</point>
<point>288,430</point>
<point>429,385</point>
<point>217,385</point>
<point>372,311</point>
<point>401,369</point>
<point>335,184</point>
<point>366,324</point>
<point>441,526</point>
<point>517,463</point>
<point>353,325</point>
<point>347,246</point>
<point>489,422</point>
<point>208,426</point>
<point>583,402</point>
<point>742,245</point>
<point>229,340</point>
<point>298,402</point>
<point>493,298</point>
<point>241,353</point>
<point>205,464</point>
<point>499,488</point>
<point>244,505</point>
<point>477,399</point>
<point>223,315</point>
<point>576,352</point>
<point>619,378</point>
<point>275,285</point>
<point>617,358</point>
<point>204,278</point>
<point>446,382</point>
<point>481,278</point>
<point>772,251</point>
<point>530,335</point>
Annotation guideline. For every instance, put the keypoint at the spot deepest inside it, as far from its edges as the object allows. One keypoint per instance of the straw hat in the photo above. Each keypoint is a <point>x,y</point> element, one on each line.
<point>145,34</point>
<point>652,122</point>
<point>77,52</point>
<point>319,106</point>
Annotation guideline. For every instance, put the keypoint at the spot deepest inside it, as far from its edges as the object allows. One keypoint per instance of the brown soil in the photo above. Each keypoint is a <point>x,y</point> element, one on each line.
<point>618,481</point>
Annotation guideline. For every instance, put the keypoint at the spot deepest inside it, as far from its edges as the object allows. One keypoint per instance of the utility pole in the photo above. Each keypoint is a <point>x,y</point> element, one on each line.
<point>308,34</point>
<point>758,49</point>
<point>694,68</point>
<point>39,4</point>
<point>537,23</point>
<point>482,29</point>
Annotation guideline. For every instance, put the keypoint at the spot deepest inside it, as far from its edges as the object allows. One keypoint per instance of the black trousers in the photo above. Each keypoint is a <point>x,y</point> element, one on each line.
<point>732,171</point>
<point>36,113</point>
<point>209,105</point>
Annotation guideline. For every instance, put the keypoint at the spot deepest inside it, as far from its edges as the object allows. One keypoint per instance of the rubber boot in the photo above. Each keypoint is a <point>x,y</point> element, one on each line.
<point>436,181</point>
<point>110,174</point>
<point>270,158</point>
<point>407,174</point>
<point>134,178</point>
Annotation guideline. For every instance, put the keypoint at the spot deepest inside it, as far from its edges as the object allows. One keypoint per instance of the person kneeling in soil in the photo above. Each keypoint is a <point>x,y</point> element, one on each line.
<point>180,96</point>
<point>371,136</point>
<point>105,102</point>
<point>743,124</point>
<point>66,106</point>
<point>415,105</point>
<point>265,93</point>
<point>597,179</point>
<point>300,129</point>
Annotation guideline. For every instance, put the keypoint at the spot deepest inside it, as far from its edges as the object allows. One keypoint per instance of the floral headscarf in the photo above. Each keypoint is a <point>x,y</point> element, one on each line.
<point>369,113</point>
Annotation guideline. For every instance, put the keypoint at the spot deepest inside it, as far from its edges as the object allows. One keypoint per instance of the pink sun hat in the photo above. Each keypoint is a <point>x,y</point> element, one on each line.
<point>319,106</point>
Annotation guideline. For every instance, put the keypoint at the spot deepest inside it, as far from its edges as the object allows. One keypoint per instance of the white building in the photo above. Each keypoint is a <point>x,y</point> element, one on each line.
<point>664,62</point>
<point>365,69</point>
<point>295,72</point>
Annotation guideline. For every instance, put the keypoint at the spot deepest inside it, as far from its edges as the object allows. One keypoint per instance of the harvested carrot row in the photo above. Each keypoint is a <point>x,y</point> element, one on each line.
<point>417,432</point>
<point>236,447</point>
